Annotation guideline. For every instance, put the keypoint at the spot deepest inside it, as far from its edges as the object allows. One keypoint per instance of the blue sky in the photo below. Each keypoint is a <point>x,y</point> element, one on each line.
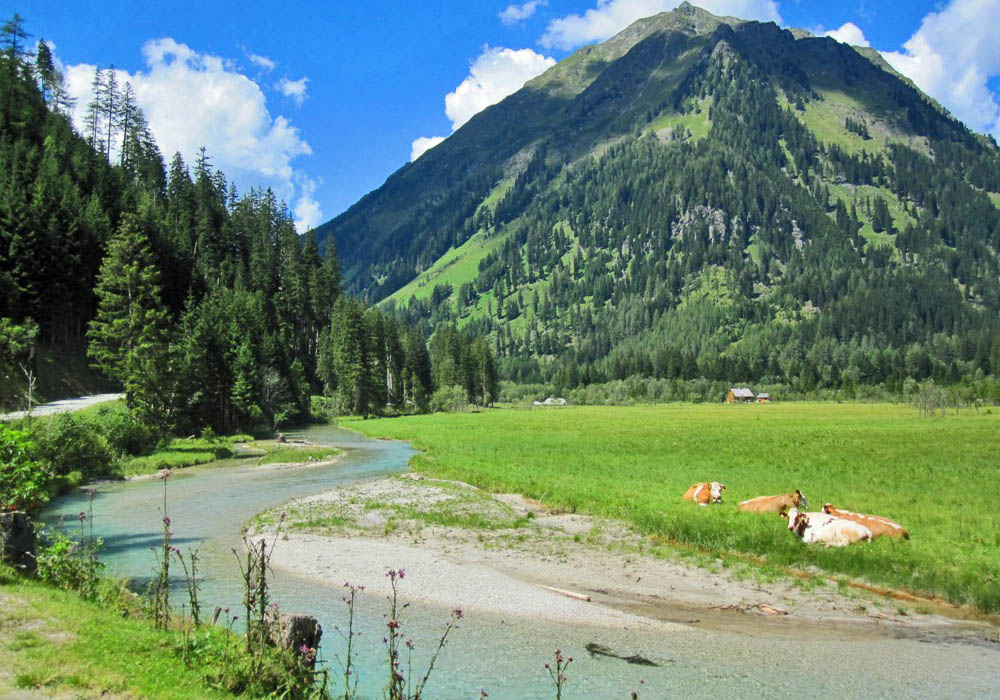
<point>324,100</point>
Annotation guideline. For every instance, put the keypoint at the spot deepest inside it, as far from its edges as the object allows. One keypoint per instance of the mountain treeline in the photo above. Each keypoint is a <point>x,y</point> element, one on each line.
<point>754,251</point>
<point>203,303</point>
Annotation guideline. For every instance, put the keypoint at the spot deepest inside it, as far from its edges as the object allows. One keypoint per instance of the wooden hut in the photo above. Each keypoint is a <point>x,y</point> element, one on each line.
<point>739,395</point>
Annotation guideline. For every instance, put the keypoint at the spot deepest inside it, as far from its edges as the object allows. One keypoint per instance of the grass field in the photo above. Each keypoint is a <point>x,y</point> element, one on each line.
<point>938,477</point>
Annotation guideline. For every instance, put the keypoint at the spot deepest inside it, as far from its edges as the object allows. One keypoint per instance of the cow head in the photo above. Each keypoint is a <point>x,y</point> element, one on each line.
<point>801,500</point>
<point>828,508</point>
<point>717,490</point>
<point>797,521</point>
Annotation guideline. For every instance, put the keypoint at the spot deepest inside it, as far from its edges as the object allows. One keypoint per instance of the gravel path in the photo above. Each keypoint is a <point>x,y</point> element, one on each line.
<point>63,406</point>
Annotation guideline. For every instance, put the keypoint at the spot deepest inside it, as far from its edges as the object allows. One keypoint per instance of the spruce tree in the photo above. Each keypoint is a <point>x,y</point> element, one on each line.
<point>128,335</point>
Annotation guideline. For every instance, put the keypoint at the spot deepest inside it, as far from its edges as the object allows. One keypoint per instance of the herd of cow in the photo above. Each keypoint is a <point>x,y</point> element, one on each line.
<point>832,526</point>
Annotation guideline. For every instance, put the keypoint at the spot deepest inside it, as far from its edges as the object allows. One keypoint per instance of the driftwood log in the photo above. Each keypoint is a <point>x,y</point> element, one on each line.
<point>17,541</point>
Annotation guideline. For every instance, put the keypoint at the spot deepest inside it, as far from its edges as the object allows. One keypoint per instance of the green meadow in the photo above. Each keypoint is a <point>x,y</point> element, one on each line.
<point>939,477</point>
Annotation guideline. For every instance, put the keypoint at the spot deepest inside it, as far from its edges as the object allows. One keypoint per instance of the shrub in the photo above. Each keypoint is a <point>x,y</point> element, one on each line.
<point>449,398</point>
<point>69,443</point>
<point>24,482</point>
<point>125,434</point>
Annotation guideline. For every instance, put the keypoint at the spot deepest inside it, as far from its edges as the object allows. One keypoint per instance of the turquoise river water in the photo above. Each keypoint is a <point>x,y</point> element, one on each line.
<point>505,657</point>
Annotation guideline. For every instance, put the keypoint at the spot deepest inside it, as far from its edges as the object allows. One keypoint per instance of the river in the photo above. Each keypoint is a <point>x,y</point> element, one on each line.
<point>209,505</point>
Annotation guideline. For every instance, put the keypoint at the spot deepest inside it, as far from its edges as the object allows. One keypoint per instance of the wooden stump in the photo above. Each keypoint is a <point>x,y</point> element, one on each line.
<point>298,633</point>
<point>17,534</point>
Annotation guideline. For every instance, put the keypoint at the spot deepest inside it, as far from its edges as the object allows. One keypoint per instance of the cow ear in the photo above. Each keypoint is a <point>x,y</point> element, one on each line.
<point>784,515</point>
<point>722,487</point>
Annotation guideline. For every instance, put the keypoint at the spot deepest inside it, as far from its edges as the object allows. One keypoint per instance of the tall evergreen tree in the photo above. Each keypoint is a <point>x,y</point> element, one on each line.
<point>129,333</point>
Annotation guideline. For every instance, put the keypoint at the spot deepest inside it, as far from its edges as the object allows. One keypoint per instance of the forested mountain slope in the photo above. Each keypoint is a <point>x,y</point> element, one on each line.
<point>700,197</point>
<point>202,303</point>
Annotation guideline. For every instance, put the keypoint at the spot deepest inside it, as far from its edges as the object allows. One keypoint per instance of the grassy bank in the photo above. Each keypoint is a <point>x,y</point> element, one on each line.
<point>178,453</point>
<point>937,477</point>
<point>58,645</point>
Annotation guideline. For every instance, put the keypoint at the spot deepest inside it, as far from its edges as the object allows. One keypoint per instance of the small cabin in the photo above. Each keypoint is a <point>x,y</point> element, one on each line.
<point>763,397</point>
<point>739,395</point>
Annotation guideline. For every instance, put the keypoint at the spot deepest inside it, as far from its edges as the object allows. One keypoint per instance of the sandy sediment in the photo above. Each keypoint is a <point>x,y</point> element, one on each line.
<point>463,548</point>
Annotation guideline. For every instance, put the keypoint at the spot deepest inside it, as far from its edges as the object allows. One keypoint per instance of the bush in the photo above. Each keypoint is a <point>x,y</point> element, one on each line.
<point>24,482</point>
<point>69,443</point>
<point>449,398</point>
<point>125,434</point>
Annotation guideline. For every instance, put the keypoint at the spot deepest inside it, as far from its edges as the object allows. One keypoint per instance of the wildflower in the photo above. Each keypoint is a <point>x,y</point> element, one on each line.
<point>163,474</point>
<point>393,624</point>
<point>458,613</point>
<point>166,520</point>
<point>82,516</point>
<point>90,492</point>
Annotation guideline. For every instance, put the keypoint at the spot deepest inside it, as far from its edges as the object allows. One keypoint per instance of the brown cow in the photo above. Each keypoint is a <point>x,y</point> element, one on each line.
<point>775,504</point>
<point>880,527</point>
<point>704,493</point>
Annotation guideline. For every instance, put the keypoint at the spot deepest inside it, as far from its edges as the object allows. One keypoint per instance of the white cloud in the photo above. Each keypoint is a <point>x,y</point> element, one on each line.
<point>847,33</point>
<point>423,144</point>
<point>517,13</point>
<point>296,89</point>
<point>953,56</point>
<point>495,74</point>
<point>192,100</point>
<point>611,16</point>
<point>308,213</point>
<point>262,62</point>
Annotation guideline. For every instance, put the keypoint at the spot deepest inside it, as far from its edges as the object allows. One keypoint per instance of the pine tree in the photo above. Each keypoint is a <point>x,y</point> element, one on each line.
<point>128,336</point>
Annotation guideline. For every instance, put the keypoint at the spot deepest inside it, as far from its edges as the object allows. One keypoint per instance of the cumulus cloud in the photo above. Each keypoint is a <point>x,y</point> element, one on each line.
<point>518,13</point>
<point>296,89</point>
<point>308,213</point>
<point>192,100</point>
<point>953,56</point>
<point>847,33</point>
<point>262,62</point>
<point>495,74</point>
<point>611,16</point>
<point>423,144</point>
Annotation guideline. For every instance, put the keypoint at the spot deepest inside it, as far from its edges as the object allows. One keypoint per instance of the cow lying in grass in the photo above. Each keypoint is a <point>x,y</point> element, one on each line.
<point>880,527</point>
<point>775,504</point>
<point>704,493</point>
<point>826,529</point>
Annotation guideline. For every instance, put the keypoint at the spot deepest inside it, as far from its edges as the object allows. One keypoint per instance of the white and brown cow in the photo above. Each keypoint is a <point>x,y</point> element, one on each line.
<point>880,527</point>
<point>826,529</point>
<point>775,504</point>
<point>705,492</point>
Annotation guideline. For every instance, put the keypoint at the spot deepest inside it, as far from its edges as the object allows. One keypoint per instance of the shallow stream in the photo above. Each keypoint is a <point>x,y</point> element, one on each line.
<point>209,505</point>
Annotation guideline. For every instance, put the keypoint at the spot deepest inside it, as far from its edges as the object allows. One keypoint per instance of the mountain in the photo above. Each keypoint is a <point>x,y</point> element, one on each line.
<point>700,196</point>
